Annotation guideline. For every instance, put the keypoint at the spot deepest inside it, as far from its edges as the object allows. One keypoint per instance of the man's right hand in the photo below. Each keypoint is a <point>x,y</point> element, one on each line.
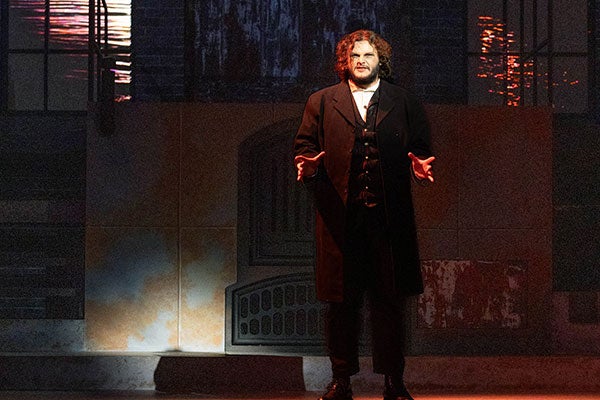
<point>307,166</point>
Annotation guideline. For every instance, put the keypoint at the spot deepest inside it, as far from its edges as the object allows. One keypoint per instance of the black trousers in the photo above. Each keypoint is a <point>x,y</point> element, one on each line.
<point>367,251</point>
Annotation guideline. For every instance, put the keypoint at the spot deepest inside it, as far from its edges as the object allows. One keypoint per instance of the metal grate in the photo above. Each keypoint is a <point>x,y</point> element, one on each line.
<point>278,311</point>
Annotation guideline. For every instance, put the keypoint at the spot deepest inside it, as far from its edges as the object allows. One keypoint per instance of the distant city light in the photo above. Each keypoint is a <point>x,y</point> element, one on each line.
<point>503,67</point>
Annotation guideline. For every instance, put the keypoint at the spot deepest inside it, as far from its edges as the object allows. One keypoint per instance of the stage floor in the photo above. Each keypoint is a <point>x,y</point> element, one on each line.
<point>144,395</point>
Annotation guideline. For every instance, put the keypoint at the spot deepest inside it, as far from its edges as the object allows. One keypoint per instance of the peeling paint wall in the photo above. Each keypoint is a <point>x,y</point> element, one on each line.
<point>473,294</point>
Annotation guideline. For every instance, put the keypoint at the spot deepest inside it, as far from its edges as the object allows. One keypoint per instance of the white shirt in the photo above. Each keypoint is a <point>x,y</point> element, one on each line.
<point>362,96</point>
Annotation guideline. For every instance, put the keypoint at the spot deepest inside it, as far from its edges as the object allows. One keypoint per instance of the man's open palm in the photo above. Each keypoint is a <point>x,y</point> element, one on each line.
<point>422,168</point>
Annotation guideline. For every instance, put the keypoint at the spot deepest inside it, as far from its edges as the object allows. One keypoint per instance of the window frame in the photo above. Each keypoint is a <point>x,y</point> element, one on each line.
<point>546,52</point>
<point>97,41</point>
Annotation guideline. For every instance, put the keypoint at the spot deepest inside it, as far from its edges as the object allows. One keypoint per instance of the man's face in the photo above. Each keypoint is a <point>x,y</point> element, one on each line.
<point>363,63</point>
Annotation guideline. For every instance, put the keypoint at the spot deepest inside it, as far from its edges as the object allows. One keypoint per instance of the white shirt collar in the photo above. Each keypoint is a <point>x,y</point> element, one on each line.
<point>371,88</point>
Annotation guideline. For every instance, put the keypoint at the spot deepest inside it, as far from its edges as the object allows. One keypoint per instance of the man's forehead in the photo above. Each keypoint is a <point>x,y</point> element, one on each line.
<point>363,46</point>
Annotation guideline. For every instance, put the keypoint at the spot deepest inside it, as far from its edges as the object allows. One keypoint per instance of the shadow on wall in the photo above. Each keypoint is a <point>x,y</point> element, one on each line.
<point>228,374</point>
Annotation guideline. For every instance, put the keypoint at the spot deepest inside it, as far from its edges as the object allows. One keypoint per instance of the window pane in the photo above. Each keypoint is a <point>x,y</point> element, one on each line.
<point>69,24</point>
<point>542,20</point>
<point>513,25</point>
<point>26,24</point>
<point>530,18</point>
<point>122,76</point>
<point>570,84</point>
<point>25,82</point>
<point>119,42</point>
<point>479,9</point>
<point>542,81</point>
<point>491,14</point>
<point>67,82</point>
<point>119,23</point>
<point>484,87</point>
<point>570,25</point>
<point>526,82</point>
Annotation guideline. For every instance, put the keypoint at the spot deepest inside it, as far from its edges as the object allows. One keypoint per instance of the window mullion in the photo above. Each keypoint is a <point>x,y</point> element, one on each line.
<point>550,53</point>
<point>505,66</point>
<point>91,49</point>
<point>4,7</point>
<point>522,53</point>
<point>535,55</point>
<point>46,51</point>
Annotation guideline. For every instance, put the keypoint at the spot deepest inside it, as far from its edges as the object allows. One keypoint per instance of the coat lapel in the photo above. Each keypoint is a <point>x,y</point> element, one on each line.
<point>342,101</point>
<point>386,102</point>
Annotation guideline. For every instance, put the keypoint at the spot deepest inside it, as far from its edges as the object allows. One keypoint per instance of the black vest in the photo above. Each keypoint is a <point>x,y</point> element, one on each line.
<point>366,183</point>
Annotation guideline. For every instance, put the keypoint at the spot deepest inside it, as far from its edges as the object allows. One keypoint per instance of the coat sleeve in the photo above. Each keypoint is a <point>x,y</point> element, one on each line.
<point>420,134</point>
<point>418,124</point>
<point>307,141</point>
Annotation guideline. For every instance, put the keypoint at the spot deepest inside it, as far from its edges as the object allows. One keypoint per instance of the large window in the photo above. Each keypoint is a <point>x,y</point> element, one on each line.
<point>532,52</point>
<point>48,63</point>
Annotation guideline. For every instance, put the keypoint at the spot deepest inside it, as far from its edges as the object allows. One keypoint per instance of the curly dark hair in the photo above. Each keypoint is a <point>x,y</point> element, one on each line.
<point>346,43</point>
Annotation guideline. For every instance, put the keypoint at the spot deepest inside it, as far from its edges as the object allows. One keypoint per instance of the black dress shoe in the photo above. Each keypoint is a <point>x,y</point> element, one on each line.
<point>395,389</point>
<point>338,389</point>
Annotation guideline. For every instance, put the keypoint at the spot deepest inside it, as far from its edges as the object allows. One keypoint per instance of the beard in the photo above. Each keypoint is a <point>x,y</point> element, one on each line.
<point>365,80</point>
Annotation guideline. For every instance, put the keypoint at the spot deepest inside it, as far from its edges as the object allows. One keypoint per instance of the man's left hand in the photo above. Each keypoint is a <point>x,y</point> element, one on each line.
<point>422,168</point>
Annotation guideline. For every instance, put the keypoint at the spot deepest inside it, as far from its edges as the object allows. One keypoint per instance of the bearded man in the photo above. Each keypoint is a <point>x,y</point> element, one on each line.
<point>360,145</point>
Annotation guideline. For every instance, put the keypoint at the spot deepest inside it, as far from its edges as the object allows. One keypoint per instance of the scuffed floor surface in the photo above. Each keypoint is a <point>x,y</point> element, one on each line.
<point>143,395</point>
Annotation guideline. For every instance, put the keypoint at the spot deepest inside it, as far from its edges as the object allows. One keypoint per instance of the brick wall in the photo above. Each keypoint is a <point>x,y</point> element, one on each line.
<point>42,213</point>
<point>440,44</point>
<point>157,47</point>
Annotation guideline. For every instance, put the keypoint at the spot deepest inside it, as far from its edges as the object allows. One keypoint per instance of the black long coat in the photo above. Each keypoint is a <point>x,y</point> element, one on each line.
<point>328,124</point>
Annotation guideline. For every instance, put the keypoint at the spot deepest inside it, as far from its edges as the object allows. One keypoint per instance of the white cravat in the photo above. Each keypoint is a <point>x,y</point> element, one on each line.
<point>362,96</point>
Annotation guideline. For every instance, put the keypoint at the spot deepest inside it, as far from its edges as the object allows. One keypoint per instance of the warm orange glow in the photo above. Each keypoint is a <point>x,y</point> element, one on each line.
<point>505,81</point>
<point>507,73</point>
